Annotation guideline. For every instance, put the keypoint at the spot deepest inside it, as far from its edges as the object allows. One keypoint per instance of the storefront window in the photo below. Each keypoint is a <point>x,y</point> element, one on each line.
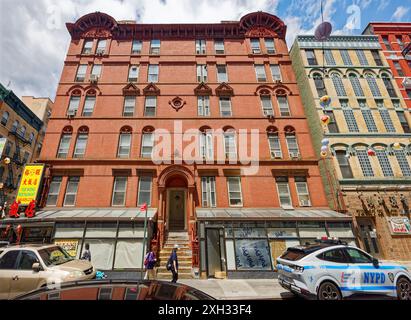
<point>312,230</point>
<point>252,254</point>
<point>229,247</point>
<point>102,253</point>
<point>282,230</point>
<point>128,230</point>
<point>340,229</point>
<point>128,254</point>
<point>101,230</point>
<point>69,230</point>
<point>37,234</point>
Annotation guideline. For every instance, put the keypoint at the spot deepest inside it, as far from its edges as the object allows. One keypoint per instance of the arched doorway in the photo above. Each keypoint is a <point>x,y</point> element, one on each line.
<point>176,193</point>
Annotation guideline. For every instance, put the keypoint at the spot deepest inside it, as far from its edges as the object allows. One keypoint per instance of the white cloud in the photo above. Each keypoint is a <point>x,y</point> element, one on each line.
<point>383,4</point>
<point>399,13</point>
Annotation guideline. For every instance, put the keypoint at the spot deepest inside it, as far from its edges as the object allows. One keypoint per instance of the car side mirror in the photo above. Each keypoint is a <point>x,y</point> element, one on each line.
<point>375,262</point>
<point>36,267</point>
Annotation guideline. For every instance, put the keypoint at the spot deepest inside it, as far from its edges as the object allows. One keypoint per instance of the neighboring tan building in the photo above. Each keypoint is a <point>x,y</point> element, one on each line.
<point>21,127</point>
<point>394,38</point>
<point>367,168</point>
<point>120,84</point>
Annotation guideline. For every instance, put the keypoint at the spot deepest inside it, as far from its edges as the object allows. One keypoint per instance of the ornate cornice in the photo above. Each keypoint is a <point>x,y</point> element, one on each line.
<point>101,25</point>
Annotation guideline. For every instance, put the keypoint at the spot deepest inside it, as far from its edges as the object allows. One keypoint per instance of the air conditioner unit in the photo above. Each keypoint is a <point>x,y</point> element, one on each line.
<point>93,78</point>
<point>305,203</point>
<point>256,51</point>
<point>270,116</point>
<point>294,155</point>
<point>278,81</point>
<point>406,83</point>
<point>71,113</point>
<point>276,154</point>
<point>100,52</point>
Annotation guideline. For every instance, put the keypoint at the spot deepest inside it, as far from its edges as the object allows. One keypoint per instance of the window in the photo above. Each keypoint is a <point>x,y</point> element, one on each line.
<point>201,73</point>
<point>408,92</point>
<point>88,46</point>
<point>153,73</point>
<point>255,45</point>
<point>27,258</point>
<point>260,73</point>
<point>269,45</point>
<point>129,104</point>
<point>384,162</point>
<point>124,145</point>
<point>22,132</point>
<point>389,86</point>
<point>15,126</point>
<point>200,47</point>
<point>89,104</point>
<point>119,191</point>
<point>26,157</point>
<point>385,116</point>
<point>386,43</point>
<point>357,256</point>
<point>356,85</point>
<point>219,46</point>
<point>101,46</point>
<point>344,164</point>
<point>133,74</point>
<point>203,106</point>
<point>283,190</point>
<point>136,47</point>
<point>81,144</point>
<point>81,73</point>
<point>332,125</point>
<point>150,106</point>
<point>361,57</point>
<point>400,43</point>
<point>319,85</point>
<point>367,115</point>
<point>96,70</point>
<point>267,105</point>
<point>54,191</point>
<point>275,72</point>
<point>8,261</point>
<point>274,144</point>
<point>338,85</point>
<point>403,120</point>
<point>64,146</point>
<point>222,73</point>
<point>346,57</point>
<point>376,57</point>
<point>234,191</point>
<point>208,192</point>
<point>225,107</point>
<point>292,145</point>
<point>147,145</point>
<point>397,67</point>
<point>372,83</point>
<point>403,162</point>
<point>73,105</point>
<point>230,146</point>
<point>336,255</point>
<point>5,118</point>
<point>312,61</point>
<point>283,104</point>
<point>144,190</point>
<point>206,145</point>
<point>31,137</point>
<point>302,191</point>
<point>329,58</point>
<point>350,119</point>
<point>365,163</point>
<point>155,47</point>
<point>71,191</point>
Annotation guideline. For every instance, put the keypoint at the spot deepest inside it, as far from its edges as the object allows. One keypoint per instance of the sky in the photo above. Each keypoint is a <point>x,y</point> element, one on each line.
<point>34,39</point>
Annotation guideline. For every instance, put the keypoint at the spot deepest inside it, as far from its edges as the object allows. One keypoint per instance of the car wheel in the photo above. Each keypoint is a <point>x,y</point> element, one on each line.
<point>328,291</point>
<point>403,289</point>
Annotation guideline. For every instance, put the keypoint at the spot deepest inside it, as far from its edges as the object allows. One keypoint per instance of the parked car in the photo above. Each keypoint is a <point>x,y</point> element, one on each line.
<point>117,290</point>
<point>331,270</point>
<point>24,268</point>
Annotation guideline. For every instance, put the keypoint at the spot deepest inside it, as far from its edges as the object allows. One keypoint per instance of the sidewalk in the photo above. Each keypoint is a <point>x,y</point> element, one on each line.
<point>239,288</point>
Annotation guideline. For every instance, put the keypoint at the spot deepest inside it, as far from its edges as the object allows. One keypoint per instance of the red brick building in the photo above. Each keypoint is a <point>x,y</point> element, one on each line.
<point>122,82</point>
<point>394,38</point>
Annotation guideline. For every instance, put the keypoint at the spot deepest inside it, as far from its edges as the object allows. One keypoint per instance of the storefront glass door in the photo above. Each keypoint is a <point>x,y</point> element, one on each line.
<point>215,255</point>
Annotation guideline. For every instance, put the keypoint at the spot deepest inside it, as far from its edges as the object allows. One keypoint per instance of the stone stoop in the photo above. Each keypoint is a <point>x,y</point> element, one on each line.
<point>184,254</point>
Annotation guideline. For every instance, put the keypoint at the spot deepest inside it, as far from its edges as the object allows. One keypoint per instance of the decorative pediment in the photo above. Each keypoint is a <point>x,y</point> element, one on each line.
<point>177,103</point>
<point>224,90</point>
<point>260,32</point>
<point>262,24</point>
<point>151,90</point>
<point>281,90</point>
<point>97,33</point>
<point>92,90</point>
<point>131,90</point>
<point>93,25</point>
<point>263,90</point>
<point>203,90</point>
<point>76,90</point>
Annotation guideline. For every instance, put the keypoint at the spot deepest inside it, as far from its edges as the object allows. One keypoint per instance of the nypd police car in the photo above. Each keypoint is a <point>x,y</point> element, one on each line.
<point>332,270</point>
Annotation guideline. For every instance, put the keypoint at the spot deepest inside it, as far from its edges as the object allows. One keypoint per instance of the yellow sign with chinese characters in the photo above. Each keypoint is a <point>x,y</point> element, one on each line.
<point>71,246</point>
<point>30,183</point>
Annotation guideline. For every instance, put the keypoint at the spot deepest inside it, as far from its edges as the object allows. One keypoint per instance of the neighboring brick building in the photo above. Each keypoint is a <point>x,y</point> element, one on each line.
<point>394,38</point>
<point>367,169</point>
<point>120,82</point>
<point>21,127</point>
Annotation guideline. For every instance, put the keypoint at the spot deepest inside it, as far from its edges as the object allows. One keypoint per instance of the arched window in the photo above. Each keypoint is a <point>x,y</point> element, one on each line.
<point>356,85</point>
<point>5,118</point>
<point>124,144</point>
<point>31,137</point>
<point>65,142</point>
<point>230,143</point>
<point>365,164</point>
<point>274,143</point>
<point>292,145</point>
<point>81,142</point>
<point>89,103</point>
<point>384,162</point>
<point>267,105</point>
<point>344,163</point>
<point>15,126</point>
<point>147,142</point>
<point>388,85</point>
<point>319,84</point>
<point>22,131</point>
<point>206,143</point>
<point>372,83</point>
<point>338,85</point>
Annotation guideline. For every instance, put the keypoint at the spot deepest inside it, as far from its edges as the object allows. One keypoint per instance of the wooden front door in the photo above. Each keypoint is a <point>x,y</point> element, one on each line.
<point>176,210</point>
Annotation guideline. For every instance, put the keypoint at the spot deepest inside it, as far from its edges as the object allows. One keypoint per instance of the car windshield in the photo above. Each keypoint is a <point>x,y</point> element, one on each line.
<point>54,256</point>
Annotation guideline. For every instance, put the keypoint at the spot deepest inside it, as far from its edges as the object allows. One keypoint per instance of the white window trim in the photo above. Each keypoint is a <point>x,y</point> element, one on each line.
<point>139,190</point>
<point>289,195</point>
<point>240,190</point>
<point>114,191</point>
